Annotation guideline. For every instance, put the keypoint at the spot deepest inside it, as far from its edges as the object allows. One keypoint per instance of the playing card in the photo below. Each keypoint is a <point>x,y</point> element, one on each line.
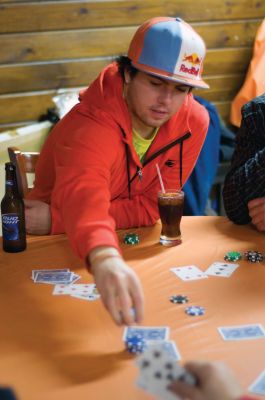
<point>53,271</point>
<point>53,278</point>
<point>85,291</point>
<point>221,269</point>
<point>189,273</point>
<point>75,278</point>
<point>148,333</point>
<point>158,369</point>
<point>61,289</point>
<point>253,331</point>
<point>86,296</point>
<point>169,346</point>
<point>82,288</point>
<point>258,387</point>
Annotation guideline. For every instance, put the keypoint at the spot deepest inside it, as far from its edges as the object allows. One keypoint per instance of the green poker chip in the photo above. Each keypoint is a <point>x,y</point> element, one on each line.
<point>233,256</point>
<point>131,238</point>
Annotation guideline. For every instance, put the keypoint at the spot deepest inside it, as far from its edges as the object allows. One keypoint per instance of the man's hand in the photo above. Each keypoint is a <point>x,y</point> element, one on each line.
<point>215,381</point>
<point>256,210</point>
<point>119,287</point>
<point>38,217</point>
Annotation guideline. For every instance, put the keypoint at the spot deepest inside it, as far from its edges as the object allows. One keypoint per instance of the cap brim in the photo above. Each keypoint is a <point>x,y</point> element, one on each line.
<point>199,84</point>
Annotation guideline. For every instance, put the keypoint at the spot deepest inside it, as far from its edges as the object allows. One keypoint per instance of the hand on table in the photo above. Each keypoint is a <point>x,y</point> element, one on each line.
<point>120,289</point>
<point>215,381</point>
<point>256,210</point>
<point>37,217</point>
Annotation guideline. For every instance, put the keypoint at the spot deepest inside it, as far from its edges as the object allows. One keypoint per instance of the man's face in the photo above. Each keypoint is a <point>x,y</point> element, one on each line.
<point>152,101</point>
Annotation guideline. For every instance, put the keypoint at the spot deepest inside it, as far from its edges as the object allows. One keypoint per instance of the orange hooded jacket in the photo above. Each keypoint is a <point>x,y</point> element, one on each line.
<point>91,176</point>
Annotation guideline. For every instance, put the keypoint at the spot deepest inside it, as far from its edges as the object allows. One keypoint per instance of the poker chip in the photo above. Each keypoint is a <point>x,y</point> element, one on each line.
<point>135,344</point>
<point>131,238</point>
<point>194,310</point>
<point>233,256</point>
<point>179,299</point>
<point>253,256</point>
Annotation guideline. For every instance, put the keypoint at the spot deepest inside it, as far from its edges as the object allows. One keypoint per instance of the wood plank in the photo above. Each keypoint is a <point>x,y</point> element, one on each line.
<point>50,46</point>
<point>46,15</point>
<point>30,106</point>
<point>227,61</point>
<point>229,33</point>
<point>43,76</point>
<point>25,107</point>
<point>67,73</point>
<point>223,109</point>
<point>222,87</point>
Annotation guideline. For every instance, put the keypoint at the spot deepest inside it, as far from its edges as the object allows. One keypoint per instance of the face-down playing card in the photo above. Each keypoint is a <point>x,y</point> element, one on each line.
<point>153,333</point>
<point>242,332</point>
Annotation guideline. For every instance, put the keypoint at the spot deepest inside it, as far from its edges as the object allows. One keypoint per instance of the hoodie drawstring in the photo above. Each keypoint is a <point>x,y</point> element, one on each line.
<point>128,170</point>
<point>180,163</point>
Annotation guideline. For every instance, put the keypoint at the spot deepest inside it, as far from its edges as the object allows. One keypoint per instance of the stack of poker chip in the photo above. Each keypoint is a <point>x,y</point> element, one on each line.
<point>131,238</point>
<point>254,256</point>
<point>135,344</point>
<point>179,299</point>
<point>233,256</point>
<point>194,310</point>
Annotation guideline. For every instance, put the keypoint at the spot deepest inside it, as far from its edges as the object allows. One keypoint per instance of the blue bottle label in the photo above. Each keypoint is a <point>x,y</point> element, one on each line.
<point>9,183</point>
<point>10,224</point>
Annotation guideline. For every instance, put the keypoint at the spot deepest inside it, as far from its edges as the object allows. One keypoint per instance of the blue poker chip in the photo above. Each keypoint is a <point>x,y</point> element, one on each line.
<point>194,310</point>
<point>135,344</point>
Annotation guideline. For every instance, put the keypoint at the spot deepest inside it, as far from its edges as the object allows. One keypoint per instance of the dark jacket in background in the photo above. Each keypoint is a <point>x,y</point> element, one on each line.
<point>246,179</point>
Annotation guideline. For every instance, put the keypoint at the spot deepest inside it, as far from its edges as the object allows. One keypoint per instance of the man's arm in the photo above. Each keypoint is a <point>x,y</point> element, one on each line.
<point>118,285</point>
<point>37,217</point>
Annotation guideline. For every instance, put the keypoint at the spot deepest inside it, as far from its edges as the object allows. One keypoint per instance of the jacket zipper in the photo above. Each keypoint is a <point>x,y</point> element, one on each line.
<point>139,171</point>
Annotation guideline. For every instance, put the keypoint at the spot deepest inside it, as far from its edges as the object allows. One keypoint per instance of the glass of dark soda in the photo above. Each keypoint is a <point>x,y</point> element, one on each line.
<point>170,205</point>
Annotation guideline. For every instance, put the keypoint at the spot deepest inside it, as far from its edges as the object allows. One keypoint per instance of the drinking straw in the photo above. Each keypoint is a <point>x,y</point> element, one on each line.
<point>160,178</point>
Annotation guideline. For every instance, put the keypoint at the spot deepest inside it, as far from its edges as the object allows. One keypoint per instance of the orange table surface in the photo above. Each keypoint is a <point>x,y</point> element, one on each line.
<point>60,347</point>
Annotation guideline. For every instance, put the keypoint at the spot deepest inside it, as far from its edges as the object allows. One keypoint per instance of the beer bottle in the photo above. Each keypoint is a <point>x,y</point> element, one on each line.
<point>13,214</point>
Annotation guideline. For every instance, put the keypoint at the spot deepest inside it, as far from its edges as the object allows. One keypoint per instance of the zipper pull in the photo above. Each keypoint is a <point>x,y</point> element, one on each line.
<point>140,173</point>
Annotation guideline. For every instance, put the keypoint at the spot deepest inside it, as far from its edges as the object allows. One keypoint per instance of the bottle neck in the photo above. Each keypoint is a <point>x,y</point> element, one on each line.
<point>11,184</point>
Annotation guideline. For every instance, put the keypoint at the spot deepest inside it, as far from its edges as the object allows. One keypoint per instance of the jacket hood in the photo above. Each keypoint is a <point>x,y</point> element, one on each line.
<point>104,98</point>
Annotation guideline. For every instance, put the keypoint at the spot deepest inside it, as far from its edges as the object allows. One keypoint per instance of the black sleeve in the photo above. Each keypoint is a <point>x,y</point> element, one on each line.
<point>245,180</point>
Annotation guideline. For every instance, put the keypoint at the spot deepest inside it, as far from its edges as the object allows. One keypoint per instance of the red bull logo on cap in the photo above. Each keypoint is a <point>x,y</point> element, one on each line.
<point>192,59</point>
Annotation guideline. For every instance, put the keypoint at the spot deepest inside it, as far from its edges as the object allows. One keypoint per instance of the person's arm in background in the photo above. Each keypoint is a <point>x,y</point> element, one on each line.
<point>246,179</point>
<point>214,382</point>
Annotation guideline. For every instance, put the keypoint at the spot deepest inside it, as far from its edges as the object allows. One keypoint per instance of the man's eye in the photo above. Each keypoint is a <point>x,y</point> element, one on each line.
<point>155,83</point>
<point>181,89</point>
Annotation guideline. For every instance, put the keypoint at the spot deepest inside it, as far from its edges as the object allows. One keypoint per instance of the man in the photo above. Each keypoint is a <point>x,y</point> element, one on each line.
<point>97,170</point>
<point>244,187</point>
<point>214,381</point>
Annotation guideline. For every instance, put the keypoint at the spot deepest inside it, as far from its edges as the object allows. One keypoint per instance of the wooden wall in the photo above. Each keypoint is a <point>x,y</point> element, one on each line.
<point>48,45</point>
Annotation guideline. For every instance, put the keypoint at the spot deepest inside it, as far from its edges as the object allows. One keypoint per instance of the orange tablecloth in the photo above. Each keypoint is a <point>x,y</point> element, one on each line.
<point>59,347</point>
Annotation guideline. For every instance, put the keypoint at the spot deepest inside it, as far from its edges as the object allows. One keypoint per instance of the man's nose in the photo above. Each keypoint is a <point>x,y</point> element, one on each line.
<point>165,95</point>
